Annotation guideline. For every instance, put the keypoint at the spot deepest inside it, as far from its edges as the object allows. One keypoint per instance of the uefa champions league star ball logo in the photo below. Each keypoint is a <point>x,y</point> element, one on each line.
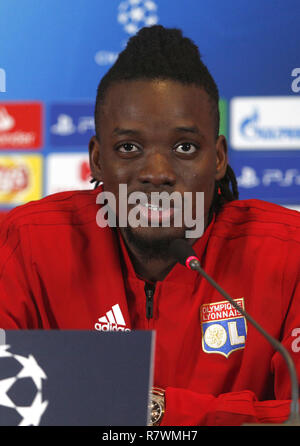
<point>132,15</point>
<point>25,377</point>
<point>135,14</point>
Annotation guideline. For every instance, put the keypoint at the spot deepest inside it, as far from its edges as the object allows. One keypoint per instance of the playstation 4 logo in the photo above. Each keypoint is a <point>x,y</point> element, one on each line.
<point>71,124</point>
<point>2,81</point>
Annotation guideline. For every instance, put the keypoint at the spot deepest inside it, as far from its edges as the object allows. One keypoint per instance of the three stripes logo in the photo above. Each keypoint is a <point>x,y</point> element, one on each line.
<point>113,321</point>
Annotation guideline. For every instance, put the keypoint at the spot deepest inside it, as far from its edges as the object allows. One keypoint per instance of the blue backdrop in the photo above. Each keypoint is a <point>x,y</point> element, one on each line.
<point>54,52</point>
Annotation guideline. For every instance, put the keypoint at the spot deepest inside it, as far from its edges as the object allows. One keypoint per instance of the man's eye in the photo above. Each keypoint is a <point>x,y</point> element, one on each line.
<point>127,148</point>
<point>186,147</point>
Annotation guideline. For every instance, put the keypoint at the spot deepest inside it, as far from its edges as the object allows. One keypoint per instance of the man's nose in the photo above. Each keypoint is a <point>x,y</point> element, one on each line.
<point>157,170</point>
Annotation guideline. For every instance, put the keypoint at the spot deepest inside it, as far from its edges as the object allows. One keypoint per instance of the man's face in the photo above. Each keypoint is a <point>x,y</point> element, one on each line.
<point>158,136</point>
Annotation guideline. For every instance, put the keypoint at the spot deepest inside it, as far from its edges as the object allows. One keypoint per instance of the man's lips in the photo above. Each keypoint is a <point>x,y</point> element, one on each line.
<point>153,210</point>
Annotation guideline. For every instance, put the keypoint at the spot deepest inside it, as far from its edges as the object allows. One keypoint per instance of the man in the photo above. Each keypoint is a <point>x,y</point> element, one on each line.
<point>157,130</point>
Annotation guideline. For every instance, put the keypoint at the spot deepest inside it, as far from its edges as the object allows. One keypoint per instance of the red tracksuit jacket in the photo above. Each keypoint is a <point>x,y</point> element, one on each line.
<point>60,270</point>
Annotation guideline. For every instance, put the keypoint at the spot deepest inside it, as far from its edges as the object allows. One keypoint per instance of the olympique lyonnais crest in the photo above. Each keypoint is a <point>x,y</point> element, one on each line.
<point>224,329</point>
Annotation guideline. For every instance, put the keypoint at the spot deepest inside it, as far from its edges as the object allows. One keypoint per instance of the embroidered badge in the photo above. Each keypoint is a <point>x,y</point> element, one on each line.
<point>224,329</point>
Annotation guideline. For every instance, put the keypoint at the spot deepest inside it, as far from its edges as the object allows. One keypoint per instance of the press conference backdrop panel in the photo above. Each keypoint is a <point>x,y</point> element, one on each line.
<point>53,54</point>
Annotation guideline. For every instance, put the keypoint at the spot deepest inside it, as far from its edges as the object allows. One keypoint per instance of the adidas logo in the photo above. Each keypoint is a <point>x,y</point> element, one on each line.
<point>113,321</point>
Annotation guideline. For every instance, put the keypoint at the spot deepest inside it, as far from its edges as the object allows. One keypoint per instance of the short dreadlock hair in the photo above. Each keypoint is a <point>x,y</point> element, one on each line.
<point>159,53</point>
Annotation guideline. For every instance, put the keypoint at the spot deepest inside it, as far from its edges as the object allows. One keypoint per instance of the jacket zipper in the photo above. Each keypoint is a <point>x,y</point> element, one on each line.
<point>149,301</point>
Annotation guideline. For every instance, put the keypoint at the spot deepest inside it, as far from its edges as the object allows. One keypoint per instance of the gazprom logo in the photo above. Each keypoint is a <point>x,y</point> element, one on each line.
<point>265,123</point>
<point>2,81</point>
<point>251,129</point>
<point>224,329</point>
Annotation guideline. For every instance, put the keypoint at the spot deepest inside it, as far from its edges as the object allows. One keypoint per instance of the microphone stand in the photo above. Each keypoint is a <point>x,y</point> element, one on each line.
<point>294,418</point>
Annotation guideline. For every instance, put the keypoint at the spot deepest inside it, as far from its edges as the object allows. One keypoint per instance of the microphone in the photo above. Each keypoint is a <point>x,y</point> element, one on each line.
<point>184,254</point>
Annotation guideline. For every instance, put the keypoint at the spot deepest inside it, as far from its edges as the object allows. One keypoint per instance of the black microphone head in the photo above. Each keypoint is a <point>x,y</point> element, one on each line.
<point>181,251</point>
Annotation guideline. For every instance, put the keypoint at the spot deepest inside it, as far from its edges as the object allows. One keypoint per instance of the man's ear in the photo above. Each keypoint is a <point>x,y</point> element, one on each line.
<point>94,155</point>
<point>222,157</point>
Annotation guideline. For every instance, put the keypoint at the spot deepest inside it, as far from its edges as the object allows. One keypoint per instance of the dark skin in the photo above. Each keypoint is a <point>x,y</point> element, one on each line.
<point>157,136</point>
